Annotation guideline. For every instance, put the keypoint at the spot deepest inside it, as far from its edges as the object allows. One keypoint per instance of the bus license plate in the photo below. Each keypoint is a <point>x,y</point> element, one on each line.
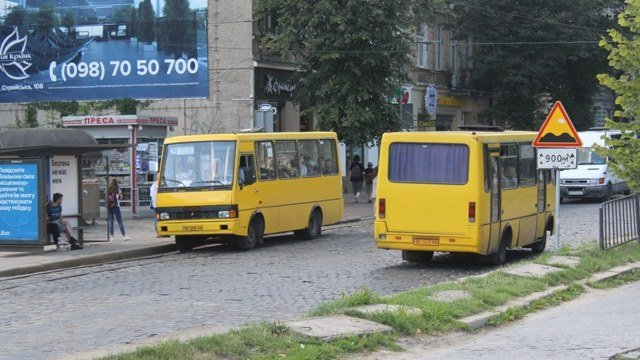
<point>423,241</point>
<point>192,228</point>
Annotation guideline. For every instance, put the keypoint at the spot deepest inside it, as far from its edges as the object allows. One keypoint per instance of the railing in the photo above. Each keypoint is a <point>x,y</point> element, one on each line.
<point>619,221</point>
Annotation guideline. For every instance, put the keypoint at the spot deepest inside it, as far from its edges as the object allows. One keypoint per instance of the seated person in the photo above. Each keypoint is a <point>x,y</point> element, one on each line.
<point>54,217</point>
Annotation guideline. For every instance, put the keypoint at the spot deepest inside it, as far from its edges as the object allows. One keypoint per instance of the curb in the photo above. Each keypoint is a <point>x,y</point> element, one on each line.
<point>89,260</point>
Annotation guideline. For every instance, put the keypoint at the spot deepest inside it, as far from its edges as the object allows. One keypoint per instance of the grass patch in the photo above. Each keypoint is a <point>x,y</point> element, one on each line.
<point>631,276</point>
<point>275,340</point>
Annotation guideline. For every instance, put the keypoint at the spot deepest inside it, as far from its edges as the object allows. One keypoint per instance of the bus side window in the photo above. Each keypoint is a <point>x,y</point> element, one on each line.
<point>247,169</point>
<point>266,163</point>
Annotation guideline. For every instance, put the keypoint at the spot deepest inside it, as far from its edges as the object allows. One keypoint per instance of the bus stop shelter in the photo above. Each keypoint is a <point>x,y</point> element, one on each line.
<point>35,163</point>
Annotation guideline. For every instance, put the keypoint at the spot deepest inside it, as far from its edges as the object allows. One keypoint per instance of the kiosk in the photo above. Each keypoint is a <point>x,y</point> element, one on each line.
<point>136,167</point>
<point>35,163</point>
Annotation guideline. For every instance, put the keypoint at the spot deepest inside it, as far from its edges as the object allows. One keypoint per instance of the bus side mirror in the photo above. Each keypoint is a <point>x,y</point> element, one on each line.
<point>246,176</point>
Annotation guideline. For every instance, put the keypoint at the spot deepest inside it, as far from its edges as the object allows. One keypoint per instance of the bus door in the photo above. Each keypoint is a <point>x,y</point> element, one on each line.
<point>496,207</point>
<point>542,203</point>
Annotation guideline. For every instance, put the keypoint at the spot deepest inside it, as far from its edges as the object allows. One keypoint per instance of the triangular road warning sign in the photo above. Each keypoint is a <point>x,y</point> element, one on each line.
<point>557,130</point>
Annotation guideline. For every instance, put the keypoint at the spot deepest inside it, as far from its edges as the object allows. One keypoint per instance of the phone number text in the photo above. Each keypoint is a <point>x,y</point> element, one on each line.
<point>117,68</point>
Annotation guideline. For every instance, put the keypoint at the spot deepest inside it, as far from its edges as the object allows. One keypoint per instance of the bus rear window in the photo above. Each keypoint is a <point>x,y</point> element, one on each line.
<point>429,163</point>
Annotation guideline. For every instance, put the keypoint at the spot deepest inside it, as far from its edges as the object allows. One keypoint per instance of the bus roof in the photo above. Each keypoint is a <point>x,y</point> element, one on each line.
<point>249,136</point>
<point>460,136</point>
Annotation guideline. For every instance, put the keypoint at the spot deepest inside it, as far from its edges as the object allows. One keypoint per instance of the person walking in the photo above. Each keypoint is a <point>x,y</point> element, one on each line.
<point>356,171</point>
<point>112,202</point>
<point>153,193</point>
<point>370,173</point>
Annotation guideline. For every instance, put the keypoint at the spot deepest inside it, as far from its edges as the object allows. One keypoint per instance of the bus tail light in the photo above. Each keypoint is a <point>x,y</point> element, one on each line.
<point>472,211</point>
<point>381,208</point>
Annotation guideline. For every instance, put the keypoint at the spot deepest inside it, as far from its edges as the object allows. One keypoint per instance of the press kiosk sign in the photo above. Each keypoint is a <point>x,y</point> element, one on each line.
<point>22,204</point>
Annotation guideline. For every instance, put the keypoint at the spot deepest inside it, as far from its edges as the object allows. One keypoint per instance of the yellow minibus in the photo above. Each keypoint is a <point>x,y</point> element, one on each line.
<point>236,188</point>
<point>462,191</point>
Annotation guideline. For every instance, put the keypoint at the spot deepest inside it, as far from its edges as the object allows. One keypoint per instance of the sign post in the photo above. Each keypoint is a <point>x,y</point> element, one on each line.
<point>556,145</point>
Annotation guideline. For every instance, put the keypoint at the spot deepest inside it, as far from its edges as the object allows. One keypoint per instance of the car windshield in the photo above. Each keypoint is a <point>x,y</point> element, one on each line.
<point>198,165</point>
<point>587,156</point>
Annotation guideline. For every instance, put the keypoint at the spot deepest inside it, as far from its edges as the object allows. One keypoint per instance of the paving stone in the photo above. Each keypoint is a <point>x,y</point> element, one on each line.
<point>451,295</point>
<point>335,326</point>
<point>532,270</point>
<point>570,261</point>
<point>378,308</point>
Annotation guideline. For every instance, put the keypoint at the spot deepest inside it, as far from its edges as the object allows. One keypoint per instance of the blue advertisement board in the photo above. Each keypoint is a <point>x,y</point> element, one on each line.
<point>21,202</point>
<point>110,52</point>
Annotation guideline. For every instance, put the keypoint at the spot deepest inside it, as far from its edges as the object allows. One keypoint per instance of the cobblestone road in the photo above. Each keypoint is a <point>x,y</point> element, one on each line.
<point>55,314</point>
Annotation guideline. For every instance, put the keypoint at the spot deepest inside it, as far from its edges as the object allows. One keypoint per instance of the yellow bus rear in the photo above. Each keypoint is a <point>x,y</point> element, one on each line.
<point>450,192</point>
<point>239,187</point>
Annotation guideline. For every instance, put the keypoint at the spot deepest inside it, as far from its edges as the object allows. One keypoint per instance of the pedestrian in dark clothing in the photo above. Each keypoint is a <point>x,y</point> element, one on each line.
<point>356,176</point>
<point>370,173</point>
<point>55,218</point>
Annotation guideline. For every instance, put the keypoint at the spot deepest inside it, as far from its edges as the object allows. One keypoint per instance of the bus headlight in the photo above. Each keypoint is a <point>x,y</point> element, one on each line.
<point>227,214</point>
<point>164,216</point>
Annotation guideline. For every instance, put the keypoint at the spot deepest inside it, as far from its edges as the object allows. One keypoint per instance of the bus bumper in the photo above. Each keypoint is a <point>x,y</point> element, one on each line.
<point>208,228</point>
<point>468,243</point>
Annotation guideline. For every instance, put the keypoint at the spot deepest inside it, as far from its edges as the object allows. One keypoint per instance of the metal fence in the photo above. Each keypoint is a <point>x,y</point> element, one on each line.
<point>619,221</point>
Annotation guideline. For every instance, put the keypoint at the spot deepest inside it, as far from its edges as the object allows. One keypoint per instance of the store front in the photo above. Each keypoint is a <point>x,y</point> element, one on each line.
<point>146,135</point>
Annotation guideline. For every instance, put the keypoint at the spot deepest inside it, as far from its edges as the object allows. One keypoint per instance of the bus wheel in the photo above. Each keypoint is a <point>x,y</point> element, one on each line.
<point>314,226</point>
<point>254,235</point>
<point>184,243</point>
<point>417,256</point>
<point>538,246</point>
<point>500,256</point>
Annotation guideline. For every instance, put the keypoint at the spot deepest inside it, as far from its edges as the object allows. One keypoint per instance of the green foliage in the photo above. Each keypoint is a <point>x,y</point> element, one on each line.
<point>146,30</point>
<point>31,116</point>
<point>46,19</point>
<point>17,16</point>
<point>178,16</point>
<point>624,56</point>
<point>531,50</point>
<point>68,20</point>
<point>351,55</point>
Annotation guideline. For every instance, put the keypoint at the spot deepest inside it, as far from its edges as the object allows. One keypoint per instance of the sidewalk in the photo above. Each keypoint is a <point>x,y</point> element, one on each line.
<point>97,250</point>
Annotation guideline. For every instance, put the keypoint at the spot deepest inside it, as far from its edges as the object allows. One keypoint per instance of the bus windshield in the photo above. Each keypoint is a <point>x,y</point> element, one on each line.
<point>197,165</point>
<point>587,156</point>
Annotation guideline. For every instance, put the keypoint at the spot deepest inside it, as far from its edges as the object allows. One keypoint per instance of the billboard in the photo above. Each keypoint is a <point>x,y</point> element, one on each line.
<point>21,203</point>
<point>106,50</point>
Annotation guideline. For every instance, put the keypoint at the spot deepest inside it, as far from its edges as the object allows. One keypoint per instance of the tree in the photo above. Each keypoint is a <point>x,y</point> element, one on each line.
<point>46,19</point>
<point>179,16</point>
<point>624,56</point>
<point>146,22</point>
<point>350,56</point>
<point>16,17</point>
<point>68,20</point>
<point>530,50</point>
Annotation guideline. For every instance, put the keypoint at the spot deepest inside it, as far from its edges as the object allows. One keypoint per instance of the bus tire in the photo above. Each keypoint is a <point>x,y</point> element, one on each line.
<point>314,226</point>
<point>255,233</point>
<point>538,247</point>
<point>184,243</point>
<point>500,256</point>
<point>417,256</point>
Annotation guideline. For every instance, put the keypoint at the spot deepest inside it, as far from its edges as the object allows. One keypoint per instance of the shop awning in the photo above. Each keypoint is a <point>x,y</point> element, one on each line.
<point>38,142</point>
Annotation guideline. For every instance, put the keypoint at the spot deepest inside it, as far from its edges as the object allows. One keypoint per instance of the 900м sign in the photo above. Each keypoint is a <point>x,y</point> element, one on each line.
<point>557,158</point>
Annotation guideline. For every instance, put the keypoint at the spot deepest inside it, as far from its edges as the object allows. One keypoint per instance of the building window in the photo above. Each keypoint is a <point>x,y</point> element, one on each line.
<point>454,54</point>
<point>422,49</point>
<point>438,41</point>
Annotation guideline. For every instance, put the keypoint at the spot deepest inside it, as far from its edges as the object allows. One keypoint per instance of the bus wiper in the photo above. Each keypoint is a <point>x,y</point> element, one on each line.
<point>215,182</point>
<point>175,181</point>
